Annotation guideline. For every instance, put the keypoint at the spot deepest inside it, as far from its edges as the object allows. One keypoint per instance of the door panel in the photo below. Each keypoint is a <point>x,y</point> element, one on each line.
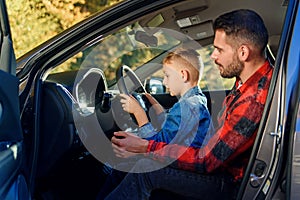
<point>12,182</point>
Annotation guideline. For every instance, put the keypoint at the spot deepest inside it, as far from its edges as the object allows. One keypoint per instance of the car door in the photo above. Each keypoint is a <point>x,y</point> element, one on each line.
<point>273,172</point>
<point>12,182</point>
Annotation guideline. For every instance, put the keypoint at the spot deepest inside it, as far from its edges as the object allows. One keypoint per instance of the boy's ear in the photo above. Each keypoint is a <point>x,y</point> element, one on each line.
<point>185,75</point>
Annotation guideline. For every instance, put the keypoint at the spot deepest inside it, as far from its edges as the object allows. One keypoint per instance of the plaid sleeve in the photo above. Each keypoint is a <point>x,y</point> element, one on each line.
<point>233,138</point>
<point>240,120</point>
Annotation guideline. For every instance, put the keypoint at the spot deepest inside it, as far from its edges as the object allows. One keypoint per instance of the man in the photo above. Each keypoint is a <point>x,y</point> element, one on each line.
<point>213,171</point>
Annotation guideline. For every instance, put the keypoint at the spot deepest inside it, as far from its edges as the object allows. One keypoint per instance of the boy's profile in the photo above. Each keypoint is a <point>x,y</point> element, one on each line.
<point>182,71</point>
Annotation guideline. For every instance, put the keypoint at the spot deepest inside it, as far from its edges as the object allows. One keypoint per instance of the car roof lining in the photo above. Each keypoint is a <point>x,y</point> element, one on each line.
<point>207,10</point>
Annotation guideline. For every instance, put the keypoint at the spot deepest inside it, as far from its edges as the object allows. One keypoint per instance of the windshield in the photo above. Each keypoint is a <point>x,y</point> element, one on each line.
<point>130,46</point>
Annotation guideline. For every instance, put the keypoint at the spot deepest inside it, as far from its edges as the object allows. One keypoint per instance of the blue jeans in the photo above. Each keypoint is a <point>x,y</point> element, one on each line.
<point>138,186</point>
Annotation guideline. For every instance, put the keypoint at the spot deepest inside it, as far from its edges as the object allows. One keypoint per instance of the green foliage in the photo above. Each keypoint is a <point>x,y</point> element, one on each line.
<point>35,21</point>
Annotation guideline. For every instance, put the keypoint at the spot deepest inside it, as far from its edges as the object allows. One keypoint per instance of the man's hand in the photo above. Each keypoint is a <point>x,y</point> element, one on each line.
<point>121,152</point>
<point>129,142</point>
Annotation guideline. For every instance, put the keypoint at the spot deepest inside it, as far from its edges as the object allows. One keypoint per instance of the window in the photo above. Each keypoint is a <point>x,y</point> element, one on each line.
<point>34,22</point>
<point>130,46</point>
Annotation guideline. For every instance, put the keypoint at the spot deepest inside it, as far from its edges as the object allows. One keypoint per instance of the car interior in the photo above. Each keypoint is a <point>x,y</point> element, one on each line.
<point>79,104</point>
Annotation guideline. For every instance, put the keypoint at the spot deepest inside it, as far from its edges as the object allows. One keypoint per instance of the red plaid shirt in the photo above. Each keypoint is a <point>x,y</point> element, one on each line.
<point>230,147</point>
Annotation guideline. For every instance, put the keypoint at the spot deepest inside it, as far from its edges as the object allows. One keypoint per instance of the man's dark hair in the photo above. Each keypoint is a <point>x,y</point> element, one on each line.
<point>243,26</point>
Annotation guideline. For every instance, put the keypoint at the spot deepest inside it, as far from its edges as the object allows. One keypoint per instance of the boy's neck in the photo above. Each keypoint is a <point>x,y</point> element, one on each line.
<point>186,88</point>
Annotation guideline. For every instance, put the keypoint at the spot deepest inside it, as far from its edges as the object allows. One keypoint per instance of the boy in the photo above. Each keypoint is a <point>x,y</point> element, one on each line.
<point>182,71</point>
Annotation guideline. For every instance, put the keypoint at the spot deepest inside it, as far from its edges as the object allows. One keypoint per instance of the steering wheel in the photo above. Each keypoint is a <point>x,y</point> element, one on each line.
<point>133,77</point>
<point>92,98</point>
<point>137,90</point>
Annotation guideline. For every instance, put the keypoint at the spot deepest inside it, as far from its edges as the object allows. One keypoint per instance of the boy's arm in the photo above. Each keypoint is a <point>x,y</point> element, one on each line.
<point>131,105</point>
<point>155,105</point>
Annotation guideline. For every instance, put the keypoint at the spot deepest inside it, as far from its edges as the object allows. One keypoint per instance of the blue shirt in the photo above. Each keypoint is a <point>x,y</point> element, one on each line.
<point>186,123</point>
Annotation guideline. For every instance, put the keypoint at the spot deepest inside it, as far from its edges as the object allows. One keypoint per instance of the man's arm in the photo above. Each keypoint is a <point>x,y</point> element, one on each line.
<point>236,136</point>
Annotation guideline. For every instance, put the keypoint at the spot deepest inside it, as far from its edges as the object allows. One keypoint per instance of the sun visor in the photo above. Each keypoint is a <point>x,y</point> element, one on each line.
<point>199,31</point>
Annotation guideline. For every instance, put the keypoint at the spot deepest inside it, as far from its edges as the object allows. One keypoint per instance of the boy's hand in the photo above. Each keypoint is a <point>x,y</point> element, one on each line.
<point>130,104</point>
<point>155,105</point>
<point>151,99</point>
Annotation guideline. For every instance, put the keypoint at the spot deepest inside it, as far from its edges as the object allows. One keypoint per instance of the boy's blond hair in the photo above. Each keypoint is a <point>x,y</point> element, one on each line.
<point>187,59</point>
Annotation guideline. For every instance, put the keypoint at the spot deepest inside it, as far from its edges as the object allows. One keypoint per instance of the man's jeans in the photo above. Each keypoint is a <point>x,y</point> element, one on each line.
<point>138,186</point>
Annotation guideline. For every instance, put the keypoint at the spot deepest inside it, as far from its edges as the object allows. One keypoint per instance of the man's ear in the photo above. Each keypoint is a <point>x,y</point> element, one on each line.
<point>243,52</point>
<point>185,75</point>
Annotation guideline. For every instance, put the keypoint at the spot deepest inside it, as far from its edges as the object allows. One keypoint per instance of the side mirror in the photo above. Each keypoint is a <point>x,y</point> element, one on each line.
<point>155,85</point>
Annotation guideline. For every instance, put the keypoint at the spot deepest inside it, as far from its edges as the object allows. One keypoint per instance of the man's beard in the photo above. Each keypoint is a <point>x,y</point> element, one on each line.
<point>234,69</point>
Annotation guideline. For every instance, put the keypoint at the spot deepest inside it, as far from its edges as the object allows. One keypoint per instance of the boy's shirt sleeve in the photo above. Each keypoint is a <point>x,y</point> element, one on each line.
<point>148,129</point>
<point>170,126</point>
<point>184,132</point>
